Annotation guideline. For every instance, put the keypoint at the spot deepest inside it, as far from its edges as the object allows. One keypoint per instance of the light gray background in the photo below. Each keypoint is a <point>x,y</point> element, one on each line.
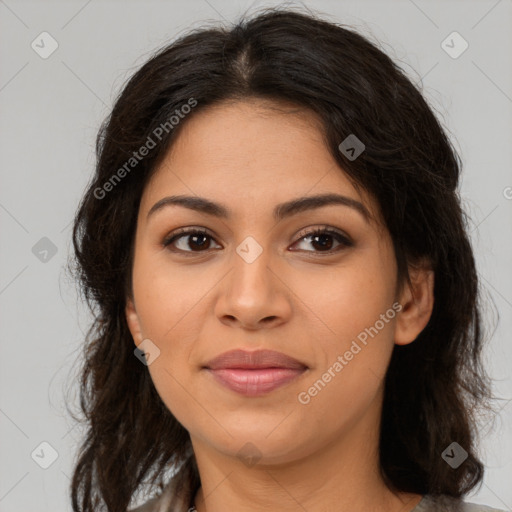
<point>50,112</point>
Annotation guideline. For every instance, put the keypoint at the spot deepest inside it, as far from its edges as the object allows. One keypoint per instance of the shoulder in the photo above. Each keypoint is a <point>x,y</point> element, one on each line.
<point>474,507</point>
<point>170,500</point>
<point>447,504</point>
<point>160,505</point>
<point>178,494</point>
<point>150,506</point>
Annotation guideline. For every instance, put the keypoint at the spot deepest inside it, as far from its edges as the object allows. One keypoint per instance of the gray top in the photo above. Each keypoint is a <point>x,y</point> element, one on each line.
<point>170,501</point>
<point>446,504</point>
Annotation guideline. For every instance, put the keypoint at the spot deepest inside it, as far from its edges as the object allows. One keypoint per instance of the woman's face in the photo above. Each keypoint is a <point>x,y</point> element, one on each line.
<point>259,279</point>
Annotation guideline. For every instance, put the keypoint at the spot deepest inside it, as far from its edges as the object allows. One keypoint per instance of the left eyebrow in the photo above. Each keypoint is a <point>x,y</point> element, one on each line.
<point>281,211</point>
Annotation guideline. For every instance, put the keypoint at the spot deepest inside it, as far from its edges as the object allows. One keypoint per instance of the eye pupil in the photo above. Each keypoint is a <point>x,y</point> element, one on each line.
<point>199,236</point>
<point>324,244</point>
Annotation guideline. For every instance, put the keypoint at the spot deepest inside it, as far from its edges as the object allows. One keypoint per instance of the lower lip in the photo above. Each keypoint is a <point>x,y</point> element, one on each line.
<point>254,382</point>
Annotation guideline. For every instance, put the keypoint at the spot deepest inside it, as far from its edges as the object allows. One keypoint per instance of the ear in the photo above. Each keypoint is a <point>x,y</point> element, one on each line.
<point>417,304</point>
<point>133,321</point>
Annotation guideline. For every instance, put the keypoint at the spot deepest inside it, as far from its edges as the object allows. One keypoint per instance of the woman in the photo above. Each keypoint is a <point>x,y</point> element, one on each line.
<point>285,293</point>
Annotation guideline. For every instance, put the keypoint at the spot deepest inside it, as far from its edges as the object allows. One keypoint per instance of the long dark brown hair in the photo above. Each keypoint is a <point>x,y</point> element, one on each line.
<point>433,387</point>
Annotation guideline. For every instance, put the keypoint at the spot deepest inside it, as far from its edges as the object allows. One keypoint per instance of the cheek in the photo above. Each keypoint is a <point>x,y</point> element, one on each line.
<point>171,305</point>
<point>169,295</point>
<point>348,299</point>
<point>356,341</point>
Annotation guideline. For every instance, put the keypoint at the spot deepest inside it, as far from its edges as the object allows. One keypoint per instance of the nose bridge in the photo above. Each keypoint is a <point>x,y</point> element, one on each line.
<point>251,277</point>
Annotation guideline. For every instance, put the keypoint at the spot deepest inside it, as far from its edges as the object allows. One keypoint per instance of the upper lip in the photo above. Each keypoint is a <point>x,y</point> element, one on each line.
<point>244,359</point>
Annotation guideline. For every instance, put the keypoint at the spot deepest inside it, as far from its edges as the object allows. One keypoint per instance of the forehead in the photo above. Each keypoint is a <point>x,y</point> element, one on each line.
<point>250,154</point>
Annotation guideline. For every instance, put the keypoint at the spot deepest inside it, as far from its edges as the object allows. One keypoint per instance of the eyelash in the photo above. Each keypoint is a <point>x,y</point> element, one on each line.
<point>325,230</point>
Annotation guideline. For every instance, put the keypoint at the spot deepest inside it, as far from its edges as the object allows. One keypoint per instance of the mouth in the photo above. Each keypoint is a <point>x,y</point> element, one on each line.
<point>254,373</point>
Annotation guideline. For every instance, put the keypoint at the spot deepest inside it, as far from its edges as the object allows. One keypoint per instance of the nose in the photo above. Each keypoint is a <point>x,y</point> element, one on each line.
<point>253,296</point>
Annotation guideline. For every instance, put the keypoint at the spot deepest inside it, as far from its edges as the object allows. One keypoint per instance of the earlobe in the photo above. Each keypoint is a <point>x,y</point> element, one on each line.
<point>417,306</point>
<point>133,322</point>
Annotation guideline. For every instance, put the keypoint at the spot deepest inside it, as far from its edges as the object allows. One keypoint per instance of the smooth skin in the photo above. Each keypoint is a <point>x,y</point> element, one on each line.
<point>197,298</point>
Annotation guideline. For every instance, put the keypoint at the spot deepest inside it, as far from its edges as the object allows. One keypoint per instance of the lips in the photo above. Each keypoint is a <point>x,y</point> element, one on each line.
<point>254,373</point>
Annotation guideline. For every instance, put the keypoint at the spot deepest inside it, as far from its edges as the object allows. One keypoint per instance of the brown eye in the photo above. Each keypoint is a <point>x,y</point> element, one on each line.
<point>323,240</point>
<point>189,240</point>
